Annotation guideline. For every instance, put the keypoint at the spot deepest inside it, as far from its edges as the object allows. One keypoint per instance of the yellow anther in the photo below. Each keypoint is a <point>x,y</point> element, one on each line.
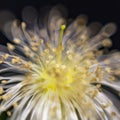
<point>34,49</point>
<point>26,49</point>
<point>34,38</point>
<point>35,44</point>
<point>106,105</point>
<point>54,50</point>
<point>108,70</point>
<point>46,51</point>
<point>41,41</point>
<point>69,57</point>
<point>16,60</point>
<point>98,85</point>
<point>5,56</point>
<point>9,113</point>
<point>17,40</point>
<point>107,43</point>
<point>27,65</point>
<point>93,93</point>
<point>1,61</point>
<point>68,52</point>
<point>13,61</point>
<point>112,78</point>
<point>10,46</point>
<point>15,105</point>
<point>23,24</point>
<point>4,81</point>
<point>48,45</point>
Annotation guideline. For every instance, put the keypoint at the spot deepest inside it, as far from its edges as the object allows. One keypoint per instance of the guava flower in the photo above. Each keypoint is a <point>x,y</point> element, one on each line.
<point>58,69</point>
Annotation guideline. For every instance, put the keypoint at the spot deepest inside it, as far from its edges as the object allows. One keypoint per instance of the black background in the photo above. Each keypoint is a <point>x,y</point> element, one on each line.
<point>103,11</point>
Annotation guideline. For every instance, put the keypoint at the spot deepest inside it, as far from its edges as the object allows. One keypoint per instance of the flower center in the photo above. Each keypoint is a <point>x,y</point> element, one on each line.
<point>63,76</point>
<point>63,71</point>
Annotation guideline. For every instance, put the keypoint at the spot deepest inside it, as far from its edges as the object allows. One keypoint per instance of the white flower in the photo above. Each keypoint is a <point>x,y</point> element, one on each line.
<point>54,69</point>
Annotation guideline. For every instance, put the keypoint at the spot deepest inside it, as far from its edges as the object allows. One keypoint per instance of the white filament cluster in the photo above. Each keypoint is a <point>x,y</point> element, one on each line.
<point>55,69</point>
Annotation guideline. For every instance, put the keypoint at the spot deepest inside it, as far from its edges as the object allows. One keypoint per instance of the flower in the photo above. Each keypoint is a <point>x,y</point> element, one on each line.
<point>56,69</point>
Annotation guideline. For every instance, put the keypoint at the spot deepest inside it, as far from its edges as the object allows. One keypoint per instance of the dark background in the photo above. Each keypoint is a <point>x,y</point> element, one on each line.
<point>103,11</point>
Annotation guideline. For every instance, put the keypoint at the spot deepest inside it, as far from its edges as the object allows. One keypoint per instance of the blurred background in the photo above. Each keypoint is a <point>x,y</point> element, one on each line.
<point>103,11</point>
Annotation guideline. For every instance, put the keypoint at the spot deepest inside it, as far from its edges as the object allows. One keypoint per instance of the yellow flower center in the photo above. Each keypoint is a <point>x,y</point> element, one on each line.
<point>63,73</point>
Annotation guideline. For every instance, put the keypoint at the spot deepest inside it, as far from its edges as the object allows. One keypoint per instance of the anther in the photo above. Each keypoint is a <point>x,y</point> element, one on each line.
<point>10,46</point>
